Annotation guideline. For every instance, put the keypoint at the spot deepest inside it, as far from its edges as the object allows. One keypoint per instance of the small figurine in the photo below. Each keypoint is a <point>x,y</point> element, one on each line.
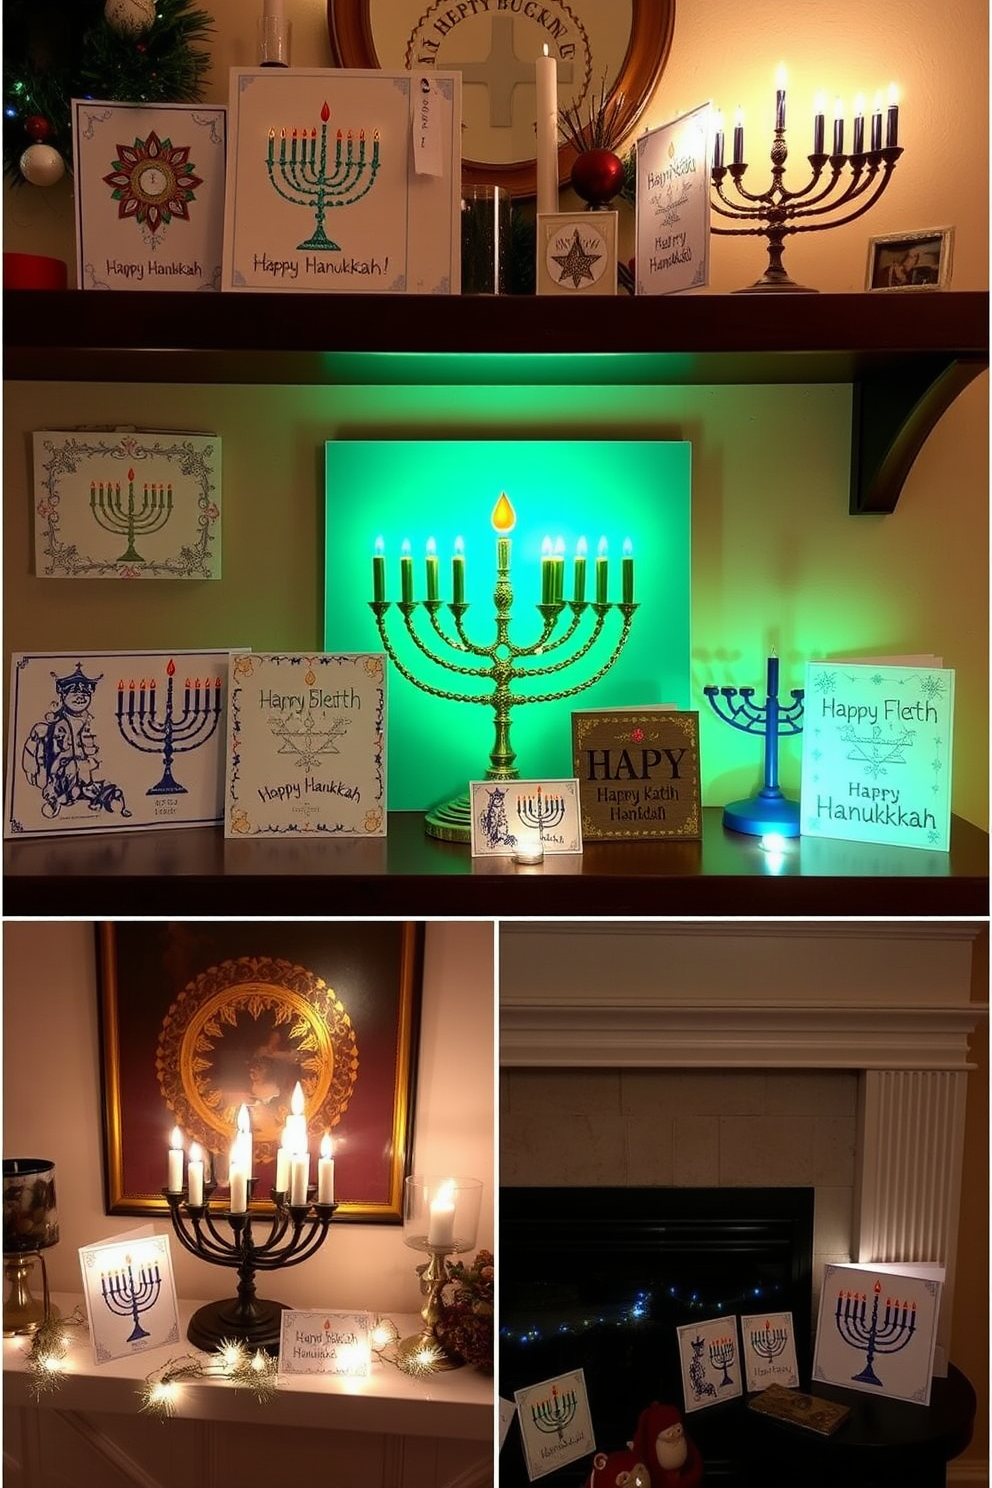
<point>673,1461</point>
<point>618,1470</point>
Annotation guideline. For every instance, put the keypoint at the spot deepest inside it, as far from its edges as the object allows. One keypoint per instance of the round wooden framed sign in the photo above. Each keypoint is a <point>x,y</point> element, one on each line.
<point>616,49</point>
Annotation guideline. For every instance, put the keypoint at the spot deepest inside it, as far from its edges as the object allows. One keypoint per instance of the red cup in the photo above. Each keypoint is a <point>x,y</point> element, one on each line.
<point>34,271</point>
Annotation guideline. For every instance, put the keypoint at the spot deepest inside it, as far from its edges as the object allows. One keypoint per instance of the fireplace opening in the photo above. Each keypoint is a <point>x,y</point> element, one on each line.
<point>599,1279</point>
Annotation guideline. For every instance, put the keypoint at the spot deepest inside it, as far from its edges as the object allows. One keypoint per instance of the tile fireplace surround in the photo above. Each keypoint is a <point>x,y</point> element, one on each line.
<point>695,1053</point>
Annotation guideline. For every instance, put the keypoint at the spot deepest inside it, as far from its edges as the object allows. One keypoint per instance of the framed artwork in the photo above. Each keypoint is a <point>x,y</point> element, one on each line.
<point>619,50</point>
<point>326,192</point>
<point>915,260</point>
<point>149,194</point>
<point>198,1018</point>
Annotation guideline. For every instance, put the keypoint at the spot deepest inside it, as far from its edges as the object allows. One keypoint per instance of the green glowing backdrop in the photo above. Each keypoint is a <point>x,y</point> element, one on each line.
<point>415,490</point>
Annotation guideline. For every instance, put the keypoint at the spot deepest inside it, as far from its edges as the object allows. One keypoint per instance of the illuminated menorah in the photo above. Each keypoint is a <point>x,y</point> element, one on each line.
<point>555,1414</point>
<point>120,516</point>
<point>296,1232</point>
<point>127,1295</point>
<point>722,1353</point>
<point>307,179</point>
<point>503,659</point>
<point>780,211</point>
<point>141,725</point>
<point>769,810</point>
<point>886,1335</point>
<point>769,1342</point>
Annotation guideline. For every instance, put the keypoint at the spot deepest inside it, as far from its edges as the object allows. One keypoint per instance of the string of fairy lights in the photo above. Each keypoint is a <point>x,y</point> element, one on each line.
<point>232,1362</point>
<point>639,1311</point>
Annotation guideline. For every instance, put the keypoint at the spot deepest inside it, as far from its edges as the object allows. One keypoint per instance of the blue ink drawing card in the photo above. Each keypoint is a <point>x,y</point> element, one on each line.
<point>306,751</point>
<point>115,741</point>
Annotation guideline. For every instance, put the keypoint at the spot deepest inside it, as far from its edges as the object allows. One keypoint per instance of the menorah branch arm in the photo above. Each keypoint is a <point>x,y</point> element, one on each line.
<point>458,642</point>
<point>440,692</point>
<point>601,610</point>
<point>880,186</point>
<point>297,1250</point>
<point>408,612</point>
<point>306,201</point>
<point>554,697</point>
<point>543,645</point>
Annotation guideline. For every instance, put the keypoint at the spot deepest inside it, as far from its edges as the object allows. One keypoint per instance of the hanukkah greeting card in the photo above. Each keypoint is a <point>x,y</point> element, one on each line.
<point>306,748</point>
<point>877,1330</point>
<point>344,180</point>
<point>555,1424</point>
<point>335,1344</point>
<point>130,1294</point>
<point>769,1348</point>
<point>711,1363</point>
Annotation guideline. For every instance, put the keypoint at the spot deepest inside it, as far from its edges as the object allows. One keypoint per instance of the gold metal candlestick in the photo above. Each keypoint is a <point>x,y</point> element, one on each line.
<point>441,1217</point>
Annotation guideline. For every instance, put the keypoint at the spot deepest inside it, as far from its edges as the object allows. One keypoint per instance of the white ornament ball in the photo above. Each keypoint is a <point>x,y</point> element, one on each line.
<point>130,16</point>
<point>42,165</point>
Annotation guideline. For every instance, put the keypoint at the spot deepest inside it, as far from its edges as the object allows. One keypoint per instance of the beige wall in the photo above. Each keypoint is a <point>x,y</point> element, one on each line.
<point>770,464</point>
<point>52,1108</point>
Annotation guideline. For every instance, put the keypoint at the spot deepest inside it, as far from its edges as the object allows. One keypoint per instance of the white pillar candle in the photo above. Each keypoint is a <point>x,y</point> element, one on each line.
<point>176,1161</point>
<point>441,1230</point>
<point>244,1144</point>
<point>325,1172</point>
<point>546,79</point>
<point>296,1121</point>
<point>282,1161</point>
<point>238,1181</point>
<point>299,1177</point>
<point>195,1175</point>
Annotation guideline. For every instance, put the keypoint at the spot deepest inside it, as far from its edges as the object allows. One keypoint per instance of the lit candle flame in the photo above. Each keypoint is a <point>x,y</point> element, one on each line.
<point>780,76</point>
<point>602,549</point>
<point>176,1140</point>
<point>504,518</point>
<point>380,547</point>
<point>893,94</point>
<point>325,1145</point>
<point>296,1102</point>
<point>431,548</point>
<point>460,546</point>
<point>628,547</point>
<point>581,548</point>
<point>244,1121</point>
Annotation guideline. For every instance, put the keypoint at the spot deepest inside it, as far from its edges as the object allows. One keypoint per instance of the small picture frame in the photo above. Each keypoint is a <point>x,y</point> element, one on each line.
<point>577,253</point>
<point>908,261</point>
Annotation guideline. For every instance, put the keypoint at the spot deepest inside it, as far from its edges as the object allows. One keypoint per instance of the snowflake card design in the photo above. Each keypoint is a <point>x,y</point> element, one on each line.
<point>769,1348</point>
<point>877,752</point>
<point>149,195</point>
<point>877,1329</point>
<point>711,1362</point>
<point>306,752</point>
<point>114,741</point>
<point>344,179</point>
<point>126,506</point>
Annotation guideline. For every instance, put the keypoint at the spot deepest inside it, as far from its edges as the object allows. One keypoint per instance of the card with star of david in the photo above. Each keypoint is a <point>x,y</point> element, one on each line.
<point>577,253</point>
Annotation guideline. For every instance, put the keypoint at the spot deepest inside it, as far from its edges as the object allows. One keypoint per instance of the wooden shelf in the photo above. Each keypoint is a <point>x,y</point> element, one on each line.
<point>907,357</point>
<point>196,871</point>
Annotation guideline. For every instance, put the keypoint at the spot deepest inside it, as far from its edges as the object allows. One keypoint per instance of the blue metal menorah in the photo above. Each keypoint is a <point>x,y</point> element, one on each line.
<point>127,1295</point>
<point>886,1335</point>
<point>722,1353</point>
<point>296,1232</point>
<point>769,1342</point>
<point>307,179</point>
<point>769,810</point>
<point>142,727</point>
<point>116,514</point>
<point>555,1414</point>
<point>542,812</point>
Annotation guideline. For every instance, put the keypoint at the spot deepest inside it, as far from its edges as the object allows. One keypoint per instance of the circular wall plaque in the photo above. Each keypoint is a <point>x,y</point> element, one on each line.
<point>617,50</point>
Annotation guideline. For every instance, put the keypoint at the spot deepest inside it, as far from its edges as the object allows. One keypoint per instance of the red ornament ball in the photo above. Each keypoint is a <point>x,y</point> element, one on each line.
<point>37,128</point>
<point>597,176</point>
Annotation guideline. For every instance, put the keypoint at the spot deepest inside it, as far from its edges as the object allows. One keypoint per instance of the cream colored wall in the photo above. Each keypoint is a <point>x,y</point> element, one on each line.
<point>52,1108</point>
<point>770,464</point>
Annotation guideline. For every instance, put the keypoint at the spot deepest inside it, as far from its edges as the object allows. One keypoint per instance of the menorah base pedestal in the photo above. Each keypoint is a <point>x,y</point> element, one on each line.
<point>451,820</point>
<point>219,1322</point>
<point>763,814</point>
<point>409,1348</point>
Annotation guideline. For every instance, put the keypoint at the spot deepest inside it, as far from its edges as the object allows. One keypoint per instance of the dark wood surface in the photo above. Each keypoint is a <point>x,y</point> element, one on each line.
<point>196,871</point>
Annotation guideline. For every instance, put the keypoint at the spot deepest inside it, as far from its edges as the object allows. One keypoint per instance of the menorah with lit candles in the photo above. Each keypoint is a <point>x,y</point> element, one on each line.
<point>768,1342</point>
<point>722,1353</point>
<point>866,1329</point>
<point>304,175</point>
<point>504,663</point>
<point>227,1236</point>
<point>827,198</point>
<point>167,731</point>
<point>125,517</point>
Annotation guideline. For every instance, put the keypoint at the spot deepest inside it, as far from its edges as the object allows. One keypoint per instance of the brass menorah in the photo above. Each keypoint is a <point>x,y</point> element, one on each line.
<point>777,212</point>
<point>504,663</point>
<point>306,178</point>
<point>118,514</point>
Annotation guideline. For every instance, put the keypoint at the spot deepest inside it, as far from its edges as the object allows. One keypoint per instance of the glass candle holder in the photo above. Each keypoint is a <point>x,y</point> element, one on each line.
<point>30,1225</point>
<point>440,1217</point>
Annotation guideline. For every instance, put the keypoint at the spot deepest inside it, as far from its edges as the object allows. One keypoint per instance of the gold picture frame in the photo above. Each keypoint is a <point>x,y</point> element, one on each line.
<point>618,50</point>
<point>200,1017</point>
<point>901,262</point>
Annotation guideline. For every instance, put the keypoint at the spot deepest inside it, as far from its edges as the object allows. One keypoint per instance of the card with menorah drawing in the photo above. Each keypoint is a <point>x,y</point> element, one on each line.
<point>130,1294</point>
<point>877,1329</point>
<point>711,1362</point>
<point>125,504</point>
<point>115,741</point>
<point>555,1423</point>
<point>769,1347</point>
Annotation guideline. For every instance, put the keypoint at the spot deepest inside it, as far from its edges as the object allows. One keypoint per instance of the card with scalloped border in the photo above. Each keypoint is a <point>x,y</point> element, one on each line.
<point>343,179</point>
<point>149,194</point>
<point>126,504</point>
<point>115,741</point>
<point>306,750</point>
